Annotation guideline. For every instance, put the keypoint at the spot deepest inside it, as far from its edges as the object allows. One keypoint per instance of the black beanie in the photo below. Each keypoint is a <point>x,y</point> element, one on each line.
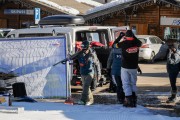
<point>129,33</point>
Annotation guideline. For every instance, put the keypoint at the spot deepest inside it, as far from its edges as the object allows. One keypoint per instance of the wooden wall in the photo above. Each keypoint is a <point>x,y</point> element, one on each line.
<point>147,20</point>
<point>14,21</point>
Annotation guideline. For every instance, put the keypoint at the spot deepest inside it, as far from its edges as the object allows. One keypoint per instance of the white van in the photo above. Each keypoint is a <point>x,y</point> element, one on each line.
<point>101,36</point>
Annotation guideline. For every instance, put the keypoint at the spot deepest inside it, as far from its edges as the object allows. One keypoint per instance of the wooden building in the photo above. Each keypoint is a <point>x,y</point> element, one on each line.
<point>153,17</point>
<point>20,13</point>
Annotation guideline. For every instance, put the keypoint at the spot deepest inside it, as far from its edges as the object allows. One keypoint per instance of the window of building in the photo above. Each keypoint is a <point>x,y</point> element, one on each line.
<point>134,30</point>
<point>172,33</point>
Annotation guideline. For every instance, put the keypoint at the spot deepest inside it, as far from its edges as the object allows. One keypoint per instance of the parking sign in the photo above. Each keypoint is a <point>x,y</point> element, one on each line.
<point>37,15</point>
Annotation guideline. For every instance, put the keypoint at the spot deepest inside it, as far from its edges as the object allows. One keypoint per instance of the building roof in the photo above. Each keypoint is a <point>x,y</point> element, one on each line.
<point>120,5</point>
<point>73,7</point>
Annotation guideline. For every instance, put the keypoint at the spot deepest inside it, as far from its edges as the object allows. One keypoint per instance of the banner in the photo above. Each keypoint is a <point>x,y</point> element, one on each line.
<point>170,21</point>
<point>31,60</point>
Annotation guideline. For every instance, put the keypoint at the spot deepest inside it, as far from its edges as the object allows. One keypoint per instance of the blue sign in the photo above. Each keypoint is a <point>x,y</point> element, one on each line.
<point>37,15</point>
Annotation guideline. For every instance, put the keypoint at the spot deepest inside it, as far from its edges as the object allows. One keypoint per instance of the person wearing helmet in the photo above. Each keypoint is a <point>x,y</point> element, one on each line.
<point>87,59</point>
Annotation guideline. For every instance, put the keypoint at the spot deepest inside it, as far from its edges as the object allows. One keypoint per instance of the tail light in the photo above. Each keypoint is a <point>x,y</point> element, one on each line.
<point>145,46</point>
<point>78,82</point>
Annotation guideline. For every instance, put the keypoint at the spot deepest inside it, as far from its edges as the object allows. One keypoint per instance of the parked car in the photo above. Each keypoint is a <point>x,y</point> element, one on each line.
<point>4,32</point>
<point>152,48</point>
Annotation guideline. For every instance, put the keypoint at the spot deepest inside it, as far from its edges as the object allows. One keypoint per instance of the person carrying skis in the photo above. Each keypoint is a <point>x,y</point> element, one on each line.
<point>87,59</point>
<point>130,54</point>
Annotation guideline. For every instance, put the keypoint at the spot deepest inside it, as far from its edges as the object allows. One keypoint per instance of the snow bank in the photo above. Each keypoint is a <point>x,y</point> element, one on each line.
<point>60,111</point>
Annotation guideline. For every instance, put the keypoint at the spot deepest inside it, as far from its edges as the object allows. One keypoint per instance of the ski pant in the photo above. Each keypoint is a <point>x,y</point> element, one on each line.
<point>87,95</point>
<point>129,78</point>
<point>119,88</point>
<point>173,71</point>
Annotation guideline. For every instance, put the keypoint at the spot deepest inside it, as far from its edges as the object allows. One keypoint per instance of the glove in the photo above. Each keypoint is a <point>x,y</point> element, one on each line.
<point>139,71</point>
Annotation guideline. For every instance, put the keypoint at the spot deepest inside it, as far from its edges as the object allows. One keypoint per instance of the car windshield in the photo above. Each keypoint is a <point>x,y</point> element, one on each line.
<point>143,40</point>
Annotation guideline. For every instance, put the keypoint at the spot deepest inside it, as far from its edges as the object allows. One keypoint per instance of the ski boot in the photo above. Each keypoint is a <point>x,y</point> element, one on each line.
<point>128,102</point>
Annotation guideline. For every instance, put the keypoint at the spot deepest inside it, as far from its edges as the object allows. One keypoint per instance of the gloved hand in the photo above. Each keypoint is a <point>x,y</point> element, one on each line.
<point>139,71</point>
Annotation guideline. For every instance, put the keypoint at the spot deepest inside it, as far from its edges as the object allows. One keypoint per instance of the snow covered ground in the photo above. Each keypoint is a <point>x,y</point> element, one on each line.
<point>61,111</point>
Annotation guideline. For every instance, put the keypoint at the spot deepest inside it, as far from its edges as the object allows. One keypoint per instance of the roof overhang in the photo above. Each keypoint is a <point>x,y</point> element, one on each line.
<point>48,9</point>
<point>123,6</point>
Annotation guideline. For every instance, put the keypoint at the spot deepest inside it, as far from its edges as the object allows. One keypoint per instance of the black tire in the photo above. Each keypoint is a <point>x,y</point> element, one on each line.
<point>151,60</point>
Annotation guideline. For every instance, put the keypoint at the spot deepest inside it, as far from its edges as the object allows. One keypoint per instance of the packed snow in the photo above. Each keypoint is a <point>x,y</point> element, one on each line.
<point>107,5</point>
<point>61,111</point>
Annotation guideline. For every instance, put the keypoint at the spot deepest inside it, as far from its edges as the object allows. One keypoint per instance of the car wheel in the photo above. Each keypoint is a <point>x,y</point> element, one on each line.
<point>151,60</point>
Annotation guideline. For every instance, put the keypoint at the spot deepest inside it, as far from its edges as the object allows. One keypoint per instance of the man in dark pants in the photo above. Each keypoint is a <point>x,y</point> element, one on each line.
<point>87,60</point>
<point>114,66</point>
<point>173,71</point>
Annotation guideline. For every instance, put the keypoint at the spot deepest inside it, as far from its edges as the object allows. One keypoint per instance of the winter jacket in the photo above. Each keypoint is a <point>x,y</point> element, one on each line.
<point>173,58</point>
<point>88,62</point>
<point>173,61</point>
<point>114,61</point>
<point>130,52</point>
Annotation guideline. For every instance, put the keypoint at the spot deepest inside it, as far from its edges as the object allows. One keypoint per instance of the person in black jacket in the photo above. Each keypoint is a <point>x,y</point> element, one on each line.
<point>130,54</point>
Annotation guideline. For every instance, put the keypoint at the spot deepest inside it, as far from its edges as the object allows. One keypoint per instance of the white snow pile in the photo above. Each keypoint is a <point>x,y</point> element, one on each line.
<point>60,111</point>
<point>107,5</point>
<point>63,8</point>
<point>90,2</point>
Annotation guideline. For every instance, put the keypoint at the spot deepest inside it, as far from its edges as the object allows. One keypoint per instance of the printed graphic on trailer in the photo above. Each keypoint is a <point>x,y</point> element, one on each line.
<point>30,60</point>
